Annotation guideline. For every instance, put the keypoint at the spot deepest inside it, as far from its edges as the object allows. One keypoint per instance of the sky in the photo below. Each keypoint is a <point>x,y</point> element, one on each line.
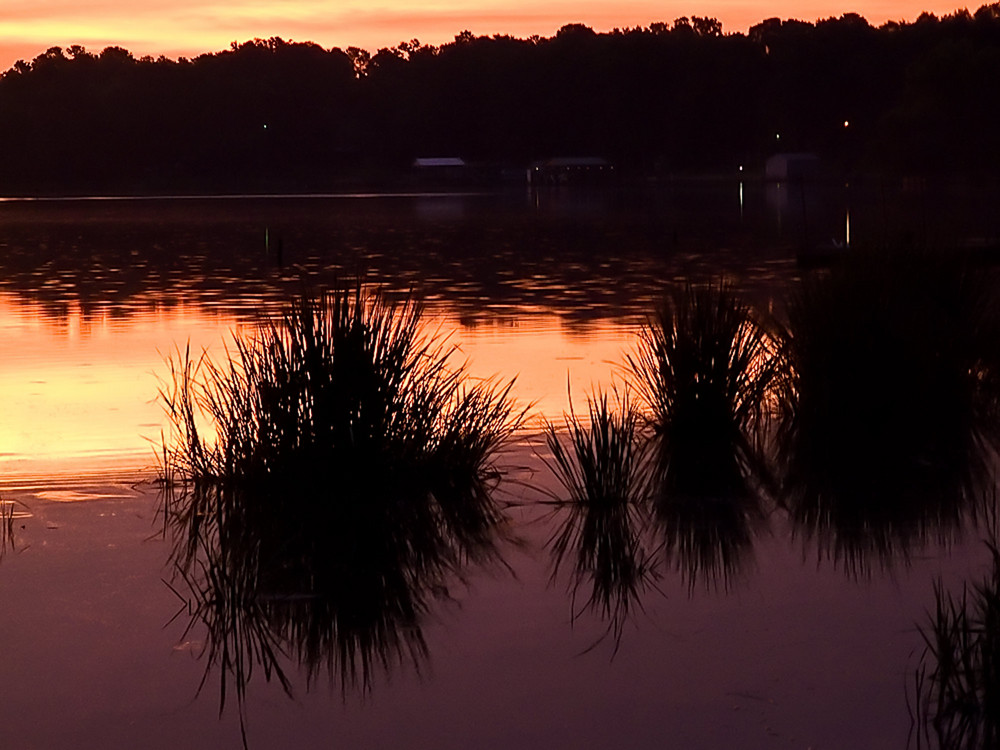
<point>190,27</point>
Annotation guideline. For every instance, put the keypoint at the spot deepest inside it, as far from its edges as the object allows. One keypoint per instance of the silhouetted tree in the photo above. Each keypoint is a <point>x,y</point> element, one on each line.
<point>271,114</point>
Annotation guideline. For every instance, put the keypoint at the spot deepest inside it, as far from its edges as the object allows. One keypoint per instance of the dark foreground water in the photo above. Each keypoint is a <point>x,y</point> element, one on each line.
<point>792,650</point>
<point>796,654</point>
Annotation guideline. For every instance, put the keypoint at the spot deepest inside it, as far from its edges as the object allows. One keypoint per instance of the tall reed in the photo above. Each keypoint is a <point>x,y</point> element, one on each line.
<point>599,462</point>
<point>706,371</point>
<point>6,526</point>
<point>958,679</point>
<point>336,475</point>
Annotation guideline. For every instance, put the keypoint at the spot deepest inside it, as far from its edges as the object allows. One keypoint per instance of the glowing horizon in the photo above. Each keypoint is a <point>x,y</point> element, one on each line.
<point>188,28</point>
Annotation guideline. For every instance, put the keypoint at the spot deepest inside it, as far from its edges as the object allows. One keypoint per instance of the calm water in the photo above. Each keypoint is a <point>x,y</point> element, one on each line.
<point>547,287</point>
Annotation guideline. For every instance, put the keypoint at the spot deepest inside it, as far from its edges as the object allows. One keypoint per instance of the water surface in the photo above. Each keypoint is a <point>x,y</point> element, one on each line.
<point>547,287</point>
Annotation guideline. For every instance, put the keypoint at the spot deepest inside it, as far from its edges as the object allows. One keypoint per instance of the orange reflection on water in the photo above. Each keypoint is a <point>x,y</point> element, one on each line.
<point>78,391</point>
<point>551,362</point>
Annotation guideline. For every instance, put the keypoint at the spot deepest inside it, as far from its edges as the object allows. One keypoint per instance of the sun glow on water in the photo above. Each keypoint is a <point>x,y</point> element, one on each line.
<point>79,389</point>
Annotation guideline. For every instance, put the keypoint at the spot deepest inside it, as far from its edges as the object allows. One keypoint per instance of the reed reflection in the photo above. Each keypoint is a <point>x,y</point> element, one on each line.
<point>348,485</point>
<point>890,409</point>
<point>600,464</point>
<point>682,475</point>
<point>8,513</point>
<point>129,256</point>
<point>705,370</point>
<point>956,687</point>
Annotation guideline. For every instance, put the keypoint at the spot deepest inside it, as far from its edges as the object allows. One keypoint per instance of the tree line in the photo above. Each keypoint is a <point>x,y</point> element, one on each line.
<point>271,114</point>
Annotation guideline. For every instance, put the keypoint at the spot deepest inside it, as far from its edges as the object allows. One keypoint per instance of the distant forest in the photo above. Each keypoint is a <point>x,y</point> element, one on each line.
<point>668,99</point>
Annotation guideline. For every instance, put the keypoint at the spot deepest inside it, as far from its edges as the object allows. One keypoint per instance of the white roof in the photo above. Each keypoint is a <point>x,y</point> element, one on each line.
<point>439,161</point>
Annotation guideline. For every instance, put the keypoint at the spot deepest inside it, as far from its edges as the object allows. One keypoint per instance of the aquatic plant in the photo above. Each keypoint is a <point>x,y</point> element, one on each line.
<point>600,465</point>
<point>706,370</point>
<point>346,483</point>
<point>890,406</point>
<point>6,526</point>
<point>957,684</point>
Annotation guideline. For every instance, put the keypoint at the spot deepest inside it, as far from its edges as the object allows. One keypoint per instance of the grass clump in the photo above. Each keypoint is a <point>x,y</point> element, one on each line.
<point>706,369</point>
<point>680,473</point>
<point>600,465</point>
<point>958,680</point>
<point>346,481</point>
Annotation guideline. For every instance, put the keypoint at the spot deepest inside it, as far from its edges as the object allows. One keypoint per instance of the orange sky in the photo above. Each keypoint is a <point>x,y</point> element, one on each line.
<point>189,27</point>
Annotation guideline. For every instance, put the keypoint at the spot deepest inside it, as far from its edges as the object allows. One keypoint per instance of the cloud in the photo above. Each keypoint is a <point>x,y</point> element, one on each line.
<point>357,23</point>
<point>19,12</point>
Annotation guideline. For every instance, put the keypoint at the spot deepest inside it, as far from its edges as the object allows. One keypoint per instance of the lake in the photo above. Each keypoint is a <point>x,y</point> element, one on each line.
<point>550,287</point>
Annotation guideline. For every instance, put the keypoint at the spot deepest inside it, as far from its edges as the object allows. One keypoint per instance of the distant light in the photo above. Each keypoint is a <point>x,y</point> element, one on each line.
<point>741,167</point>
<point>846,123</point>
<point>265,126</point>
<point>777,136</point>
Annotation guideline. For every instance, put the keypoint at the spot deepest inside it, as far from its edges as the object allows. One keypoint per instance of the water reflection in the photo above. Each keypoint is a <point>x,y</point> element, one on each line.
<point>123,255</point>
<point>344,483</point>
<point>871,417</point>
<point>79,391</point>
<point>890,419</point>
<point>335,594</point>
<point>705,369</point>
<point>709,538</point>
<point>955,697</point>
<point>93,292</point>
<point>11,513</point>
<point>185,297</point>
<point>681,478</point>
<point>603,517</point>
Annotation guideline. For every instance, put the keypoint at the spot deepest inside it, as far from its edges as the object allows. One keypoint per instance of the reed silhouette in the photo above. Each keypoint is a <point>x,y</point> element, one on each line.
<point>347,485</point>
<point>957,683</point>
<point>7,540</point>
<point>600,464</point>
<point>705,370</point>
<point>679,474</point>
<point>889,410</point>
